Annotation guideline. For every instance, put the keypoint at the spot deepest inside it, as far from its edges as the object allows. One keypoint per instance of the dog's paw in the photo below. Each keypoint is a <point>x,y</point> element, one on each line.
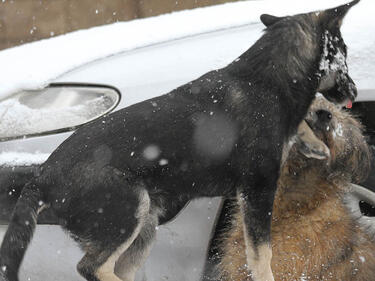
<point>259,261</point>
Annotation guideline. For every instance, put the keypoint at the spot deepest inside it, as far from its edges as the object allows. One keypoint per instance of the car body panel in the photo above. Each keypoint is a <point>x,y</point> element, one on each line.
<point>178,254</point>
<point>180,248</point>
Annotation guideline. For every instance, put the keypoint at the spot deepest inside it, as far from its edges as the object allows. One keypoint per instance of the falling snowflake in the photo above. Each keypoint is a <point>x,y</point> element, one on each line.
<point>163,162</point>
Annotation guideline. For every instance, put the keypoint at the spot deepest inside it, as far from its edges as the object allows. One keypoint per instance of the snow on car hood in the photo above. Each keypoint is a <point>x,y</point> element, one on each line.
<point>34,65</point>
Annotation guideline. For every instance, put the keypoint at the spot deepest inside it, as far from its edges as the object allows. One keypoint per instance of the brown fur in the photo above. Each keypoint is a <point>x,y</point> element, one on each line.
<point>315,236</point>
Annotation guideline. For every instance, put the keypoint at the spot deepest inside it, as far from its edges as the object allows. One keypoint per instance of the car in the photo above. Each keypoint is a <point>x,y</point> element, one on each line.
<point>69,74</point>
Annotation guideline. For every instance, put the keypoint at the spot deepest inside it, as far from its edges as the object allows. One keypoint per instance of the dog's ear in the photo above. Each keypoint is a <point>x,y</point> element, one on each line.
<point>269,20</point>
<point>333,18</point>
<point>308,143</point>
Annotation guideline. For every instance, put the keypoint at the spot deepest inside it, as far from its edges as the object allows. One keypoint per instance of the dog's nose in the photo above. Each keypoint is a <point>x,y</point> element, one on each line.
<point>324,117</point>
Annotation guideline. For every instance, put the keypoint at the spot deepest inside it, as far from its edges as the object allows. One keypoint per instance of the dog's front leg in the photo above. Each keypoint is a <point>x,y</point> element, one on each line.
<point>256,202</point>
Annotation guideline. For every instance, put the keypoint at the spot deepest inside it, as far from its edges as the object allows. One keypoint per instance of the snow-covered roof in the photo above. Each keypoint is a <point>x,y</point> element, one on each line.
<point>34,65</point>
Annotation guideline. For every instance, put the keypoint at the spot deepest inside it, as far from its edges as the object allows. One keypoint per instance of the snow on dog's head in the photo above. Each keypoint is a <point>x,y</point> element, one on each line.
<point>335,82</point>
<point>320,37</point>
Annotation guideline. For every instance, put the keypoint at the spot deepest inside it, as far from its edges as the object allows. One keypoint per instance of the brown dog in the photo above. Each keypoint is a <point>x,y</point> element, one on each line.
<point>317,234</point>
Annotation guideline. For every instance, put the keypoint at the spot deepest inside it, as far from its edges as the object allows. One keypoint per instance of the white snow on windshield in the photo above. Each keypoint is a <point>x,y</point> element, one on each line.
<point>34,65</point>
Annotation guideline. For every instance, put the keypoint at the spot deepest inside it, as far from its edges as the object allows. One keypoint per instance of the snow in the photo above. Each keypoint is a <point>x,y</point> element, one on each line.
<point>180,248</point>
<point>46,60</point>
<point>36,120</point>
<point>12,159</point>
<point>151,152</point>
<point>339,60</point>
<point>338,131</point>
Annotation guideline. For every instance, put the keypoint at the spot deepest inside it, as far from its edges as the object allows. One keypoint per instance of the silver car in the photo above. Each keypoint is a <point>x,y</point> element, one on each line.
<point>35,122</point>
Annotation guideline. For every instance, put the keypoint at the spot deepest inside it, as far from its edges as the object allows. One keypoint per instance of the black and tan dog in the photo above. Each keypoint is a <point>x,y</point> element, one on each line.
<point>316,233</point>
<point>116,178</point>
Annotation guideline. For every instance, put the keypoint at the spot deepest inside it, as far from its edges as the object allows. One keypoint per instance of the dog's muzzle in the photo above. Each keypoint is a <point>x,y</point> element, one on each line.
<point>347,86</point>
<point>319,119</point>
<point>338,88</point>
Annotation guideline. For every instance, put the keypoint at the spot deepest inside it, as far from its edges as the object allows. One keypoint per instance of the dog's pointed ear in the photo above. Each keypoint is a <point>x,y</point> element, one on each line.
<point>269,20</point>
<point>333,17</point>
<point>308,143</point>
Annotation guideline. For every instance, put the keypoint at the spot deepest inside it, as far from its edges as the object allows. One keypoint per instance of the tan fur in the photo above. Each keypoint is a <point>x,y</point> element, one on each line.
<point>258,259</point>
<point>106,272</point>
<point>314,235</point>
<point>306,135</point>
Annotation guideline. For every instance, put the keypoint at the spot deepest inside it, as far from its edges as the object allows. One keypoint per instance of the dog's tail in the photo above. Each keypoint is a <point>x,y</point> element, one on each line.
<point>20,231</point>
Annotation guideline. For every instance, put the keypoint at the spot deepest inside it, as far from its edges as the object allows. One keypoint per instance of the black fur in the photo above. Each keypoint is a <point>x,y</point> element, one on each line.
<point>219,134</point>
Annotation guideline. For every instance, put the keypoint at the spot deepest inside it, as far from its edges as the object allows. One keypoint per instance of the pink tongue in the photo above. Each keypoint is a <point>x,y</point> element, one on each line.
<point>349,104</point>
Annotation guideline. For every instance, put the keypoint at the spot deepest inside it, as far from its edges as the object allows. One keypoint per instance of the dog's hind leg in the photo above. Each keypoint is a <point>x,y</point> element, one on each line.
<point>99,264</point>
<point>89,263</point>
<point>256,202</point>
<point>131,260</point>
<point>119,227</point>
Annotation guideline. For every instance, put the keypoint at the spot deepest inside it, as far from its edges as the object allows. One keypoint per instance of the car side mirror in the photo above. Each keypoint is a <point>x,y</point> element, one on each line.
<point>55,109</point>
